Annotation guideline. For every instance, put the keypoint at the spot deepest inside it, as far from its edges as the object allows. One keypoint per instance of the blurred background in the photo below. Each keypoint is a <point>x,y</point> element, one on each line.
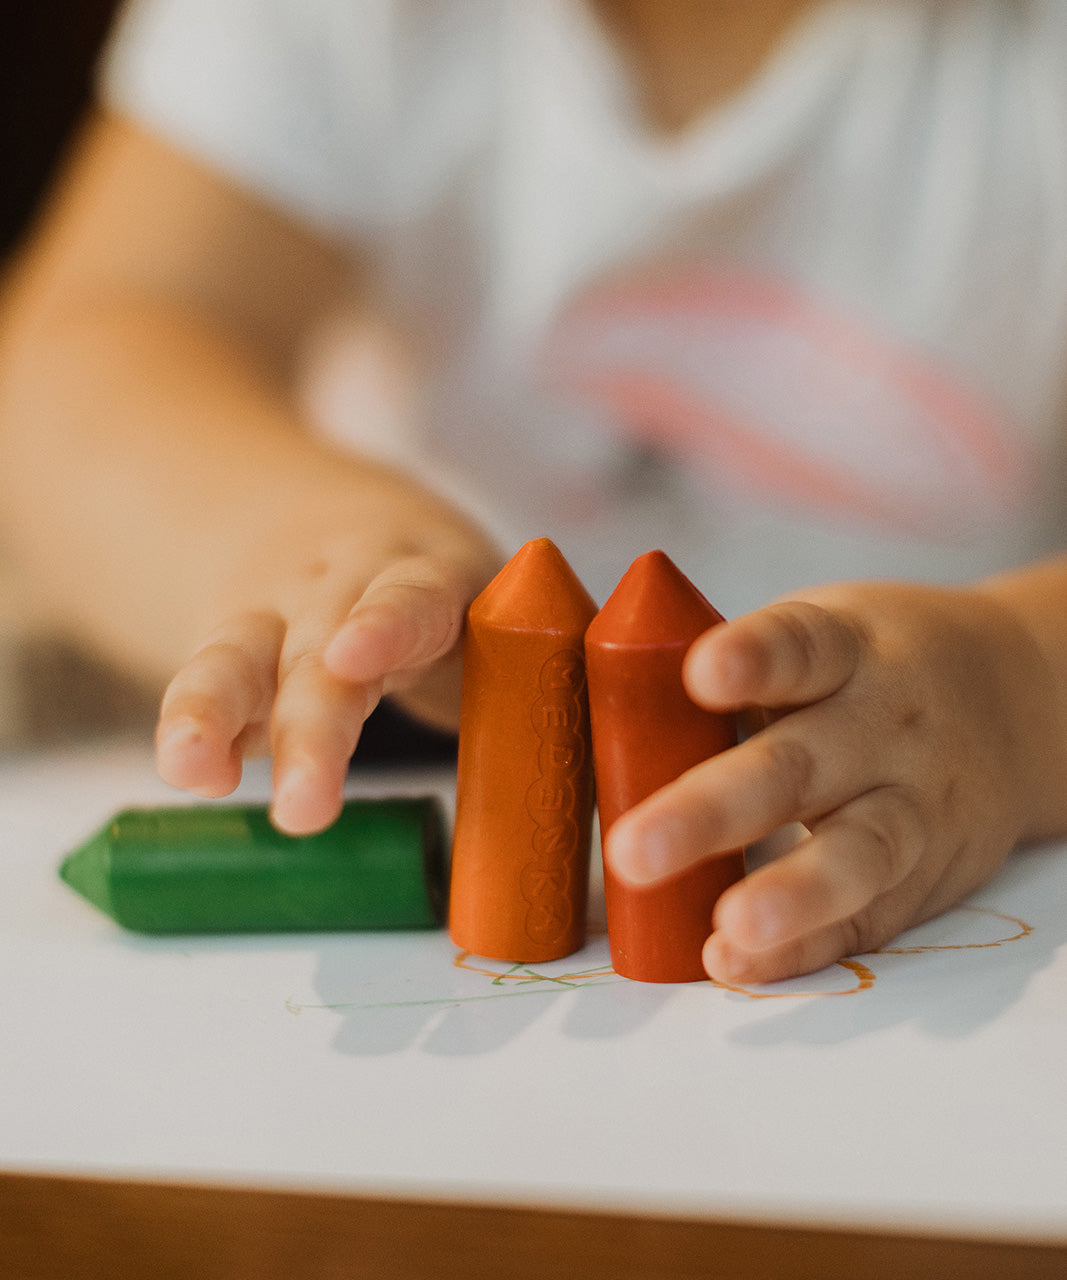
<point>51,691</point>
<point>48,49</point>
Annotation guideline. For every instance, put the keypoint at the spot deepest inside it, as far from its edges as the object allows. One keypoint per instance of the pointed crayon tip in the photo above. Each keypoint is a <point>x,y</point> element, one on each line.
<point>87,871</point>
<point>654,604</point>
<point>536,590</point>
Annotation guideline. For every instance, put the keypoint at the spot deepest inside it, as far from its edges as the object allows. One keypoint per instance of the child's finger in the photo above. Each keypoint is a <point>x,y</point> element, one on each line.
<point>785,655</point>
<point>315,726</point>
<point>409,616</point>
<point>725,962</point>
<point>798,769</point>
<point>214,701</point>
<point>852,858</point>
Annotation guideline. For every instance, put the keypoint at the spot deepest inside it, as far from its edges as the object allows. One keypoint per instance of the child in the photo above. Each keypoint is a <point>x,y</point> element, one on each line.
<point>776,285</point>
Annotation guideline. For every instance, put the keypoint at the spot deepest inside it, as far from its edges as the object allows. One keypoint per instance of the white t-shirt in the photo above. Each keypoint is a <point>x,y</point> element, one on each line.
<point>820,334</point>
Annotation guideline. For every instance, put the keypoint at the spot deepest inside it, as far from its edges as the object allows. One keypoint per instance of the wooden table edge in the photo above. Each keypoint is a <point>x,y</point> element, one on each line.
<point>80,1228</point>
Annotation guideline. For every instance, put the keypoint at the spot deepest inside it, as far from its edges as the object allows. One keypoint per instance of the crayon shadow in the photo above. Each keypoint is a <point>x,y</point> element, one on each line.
<point>487,1012</point>
<point>948,989</point>
<point>494,1002</point>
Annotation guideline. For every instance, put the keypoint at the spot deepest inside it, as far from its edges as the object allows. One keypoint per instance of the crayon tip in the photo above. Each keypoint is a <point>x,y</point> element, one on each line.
<point>86,871</point>
<point>536,590</point>
<point>653,605</point>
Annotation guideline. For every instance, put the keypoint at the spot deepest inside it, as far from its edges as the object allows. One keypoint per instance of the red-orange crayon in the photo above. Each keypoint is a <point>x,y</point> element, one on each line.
<point>646,732</point>
<point>524,800</point>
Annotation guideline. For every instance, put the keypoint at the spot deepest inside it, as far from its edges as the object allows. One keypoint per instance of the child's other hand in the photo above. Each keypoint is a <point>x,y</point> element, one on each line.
<point>906,729</point>
<point>300,675</point>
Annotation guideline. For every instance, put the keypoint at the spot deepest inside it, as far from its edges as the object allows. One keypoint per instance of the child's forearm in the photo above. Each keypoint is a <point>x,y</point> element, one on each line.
<point>162,496</point>
<point>152,470</point>
<point>157,478</point>
<point>173,511</point>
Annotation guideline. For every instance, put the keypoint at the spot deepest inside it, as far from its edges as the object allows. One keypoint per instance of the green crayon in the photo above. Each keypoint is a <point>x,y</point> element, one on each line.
<point>226,869</point>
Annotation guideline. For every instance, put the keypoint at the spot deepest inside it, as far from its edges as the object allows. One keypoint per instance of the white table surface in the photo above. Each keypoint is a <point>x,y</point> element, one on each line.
<point>921,1090</point>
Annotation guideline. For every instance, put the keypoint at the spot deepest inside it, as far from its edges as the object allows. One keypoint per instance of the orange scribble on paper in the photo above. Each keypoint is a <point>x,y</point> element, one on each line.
<point>526,975</point>
<point>864,981</point>
<point>1023,931</point>
<point>521,974</point>
<point>867,977</point>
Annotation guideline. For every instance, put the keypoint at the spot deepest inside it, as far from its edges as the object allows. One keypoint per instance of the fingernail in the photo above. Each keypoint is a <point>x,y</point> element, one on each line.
<point>733,671</point>
<point>643,851</point>
<point>179,735</point>
<point>758,919</point>
<point>355,646</point>
<point>339,647</point>
<point>703,683</point>
<point>722,668</point>
<point>293,793</point>
<point>722,961</point>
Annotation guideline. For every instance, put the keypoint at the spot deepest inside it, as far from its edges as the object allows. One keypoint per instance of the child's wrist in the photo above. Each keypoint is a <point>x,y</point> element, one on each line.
<point>1035,732</point>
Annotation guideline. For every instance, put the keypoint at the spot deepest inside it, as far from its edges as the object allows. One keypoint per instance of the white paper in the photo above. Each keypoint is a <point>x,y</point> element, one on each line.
<point>918,1089</point>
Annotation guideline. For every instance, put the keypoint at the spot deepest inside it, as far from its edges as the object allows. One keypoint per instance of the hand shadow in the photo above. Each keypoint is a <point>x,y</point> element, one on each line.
<point>950,976</point>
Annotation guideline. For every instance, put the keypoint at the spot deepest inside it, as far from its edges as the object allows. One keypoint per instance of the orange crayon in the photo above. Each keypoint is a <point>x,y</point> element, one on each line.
<point>524,800</point>
<point>646,732</point>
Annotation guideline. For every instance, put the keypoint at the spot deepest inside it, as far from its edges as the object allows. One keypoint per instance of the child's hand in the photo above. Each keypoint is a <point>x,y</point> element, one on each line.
<point>299,675</point>
<point>908,729</point>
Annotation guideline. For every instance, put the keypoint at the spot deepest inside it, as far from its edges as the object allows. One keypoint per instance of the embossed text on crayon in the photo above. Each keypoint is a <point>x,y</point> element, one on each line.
<point>558,718</point>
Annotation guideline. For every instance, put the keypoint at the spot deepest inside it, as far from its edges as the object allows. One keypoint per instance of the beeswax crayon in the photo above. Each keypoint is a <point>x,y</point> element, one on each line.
<point>524,801</point>
<point>226,869</point>
<point>646,732</point>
